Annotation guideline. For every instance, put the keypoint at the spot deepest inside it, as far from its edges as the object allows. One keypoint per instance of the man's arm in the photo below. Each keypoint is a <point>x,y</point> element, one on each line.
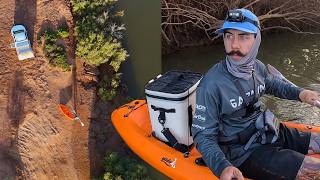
<point>281,89</point>
<point>285,90</point>
<point>205,129</point>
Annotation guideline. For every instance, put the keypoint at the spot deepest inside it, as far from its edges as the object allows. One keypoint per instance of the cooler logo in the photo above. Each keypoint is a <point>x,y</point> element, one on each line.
<point>169,162</point>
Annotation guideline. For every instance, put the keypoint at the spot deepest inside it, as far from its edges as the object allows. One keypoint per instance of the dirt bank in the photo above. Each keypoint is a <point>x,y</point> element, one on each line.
<point>36,141</point>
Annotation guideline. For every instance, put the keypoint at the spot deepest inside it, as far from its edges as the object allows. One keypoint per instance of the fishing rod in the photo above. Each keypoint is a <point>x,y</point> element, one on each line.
<point>273,71</point>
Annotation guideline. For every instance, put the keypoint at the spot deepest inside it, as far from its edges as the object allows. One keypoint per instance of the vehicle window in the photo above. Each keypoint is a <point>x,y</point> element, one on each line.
<point>17,32</point>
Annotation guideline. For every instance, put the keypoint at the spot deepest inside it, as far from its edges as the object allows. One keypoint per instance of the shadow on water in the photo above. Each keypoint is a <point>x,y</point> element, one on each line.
<point>143,42</point>
<point>142,20</point>
<point>103,137</point>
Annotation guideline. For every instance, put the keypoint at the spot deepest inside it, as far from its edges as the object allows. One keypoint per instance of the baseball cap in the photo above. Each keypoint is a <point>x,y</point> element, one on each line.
<point>240,19</point>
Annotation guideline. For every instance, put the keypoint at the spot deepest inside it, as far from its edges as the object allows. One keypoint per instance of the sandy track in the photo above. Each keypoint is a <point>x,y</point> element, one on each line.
<point>36,141</point>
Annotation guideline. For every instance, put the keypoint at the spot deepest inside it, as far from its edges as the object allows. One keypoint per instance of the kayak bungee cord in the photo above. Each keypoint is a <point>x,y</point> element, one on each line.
<point>133,107</point>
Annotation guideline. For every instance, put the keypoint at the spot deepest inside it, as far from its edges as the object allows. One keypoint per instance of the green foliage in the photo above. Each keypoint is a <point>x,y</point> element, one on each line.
<point>96,17</point>
<point>123,168</point>
<point>107,88</point>
<point>56,53</point>
<point>58,58</point>
<point>63,32</point>
<point>50,36</point>
<point>96,50</point>
<point>98,30</point>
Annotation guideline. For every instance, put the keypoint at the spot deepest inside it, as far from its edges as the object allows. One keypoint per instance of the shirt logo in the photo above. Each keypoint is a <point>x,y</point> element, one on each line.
<point>201,107</point>
<point>198,127</point>
<point>236,103</point>
<point>200,118</point>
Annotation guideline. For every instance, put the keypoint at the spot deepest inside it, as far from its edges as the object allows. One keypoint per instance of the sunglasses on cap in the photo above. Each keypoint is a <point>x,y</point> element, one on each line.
<point>237,16</point>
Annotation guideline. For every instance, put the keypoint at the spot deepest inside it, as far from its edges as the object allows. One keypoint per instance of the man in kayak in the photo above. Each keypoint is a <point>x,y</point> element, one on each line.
<point>234,135</point>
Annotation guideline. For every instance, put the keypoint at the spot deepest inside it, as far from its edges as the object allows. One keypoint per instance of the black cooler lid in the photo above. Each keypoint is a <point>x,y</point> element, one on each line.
<point>174,82</point>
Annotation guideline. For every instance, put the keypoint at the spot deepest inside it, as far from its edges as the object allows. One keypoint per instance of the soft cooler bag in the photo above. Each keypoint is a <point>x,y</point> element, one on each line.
<point>171,103</point>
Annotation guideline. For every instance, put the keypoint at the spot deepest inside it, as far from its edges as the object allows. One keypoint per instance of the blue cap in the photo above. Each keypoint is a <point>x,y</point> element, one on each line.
<point>242,26</point>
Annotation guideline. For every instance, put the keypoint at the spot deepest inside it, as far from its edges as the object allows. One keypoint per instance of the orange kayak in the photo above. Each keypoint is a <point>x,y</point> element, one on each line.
<point>66,111</point>
<point>133,124</point>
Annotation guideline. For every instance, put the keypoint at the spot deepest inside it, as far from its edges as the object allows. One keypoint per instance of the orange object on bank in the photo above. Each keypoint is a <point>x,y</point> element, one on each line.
<point>65,110</point>
<point>133,124</point>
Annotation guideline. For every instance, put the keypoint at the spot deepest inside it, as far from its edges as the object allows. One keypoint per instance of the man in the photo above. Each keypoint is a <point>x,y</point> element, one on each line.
<point>231,131</point>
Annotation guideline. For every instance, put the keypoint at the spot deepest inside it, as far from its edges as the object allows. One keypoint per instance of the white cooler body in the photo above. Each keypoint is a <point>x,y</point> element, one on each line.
<point>178,121</point>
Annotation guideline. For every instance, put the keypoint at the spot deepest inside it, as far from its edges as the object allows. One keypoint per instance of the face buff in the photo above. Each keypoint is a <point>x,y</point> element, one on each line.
<point>243,68</point>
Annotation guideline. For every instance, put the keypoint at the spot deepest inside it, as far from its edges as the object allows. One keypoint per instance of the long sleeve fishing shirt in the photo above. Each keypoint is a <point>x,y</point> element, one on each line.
<point>217,97</point>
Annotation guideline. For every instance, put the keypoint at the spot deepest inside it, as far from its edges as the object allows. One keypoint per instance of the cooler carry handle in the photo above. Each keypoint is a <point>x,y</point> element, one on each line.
<point>163,109</point>
<point>162,115</point>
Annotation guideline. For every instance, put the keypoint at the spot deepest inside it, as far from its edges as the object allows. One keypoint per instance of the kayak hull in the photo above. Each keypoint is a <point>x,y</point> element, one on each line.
<point>66,112</point>
<point>133,124</point>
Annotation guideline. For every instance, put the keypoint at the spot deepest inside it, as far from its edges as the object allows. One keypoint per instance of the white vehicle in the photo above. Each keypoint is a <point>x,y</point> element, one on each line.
<point>21,42</point>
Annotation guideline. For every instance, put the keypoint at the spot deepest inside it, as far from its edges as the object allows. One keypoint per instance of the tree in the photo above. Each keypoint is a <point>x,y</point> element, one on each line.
<point>96,50</point>
<point>99,31</point>
<point>182,19</point>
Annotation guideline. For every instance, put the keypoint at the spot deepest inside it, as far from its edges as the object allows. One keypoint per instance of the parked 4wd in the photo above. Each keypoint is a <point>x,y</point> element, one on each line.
<point>21,42</point>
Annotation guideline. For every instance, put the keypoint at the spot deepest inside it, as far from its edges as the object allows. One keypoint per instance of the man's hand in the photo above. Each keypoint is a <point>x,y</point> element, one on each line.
<point>230,173</point>
<point>310,97</point>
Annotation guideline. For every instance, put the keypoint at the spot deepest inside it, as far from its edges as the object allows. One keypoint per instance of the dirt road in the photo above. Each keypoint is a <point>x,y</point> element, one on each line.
<point>36,142</point>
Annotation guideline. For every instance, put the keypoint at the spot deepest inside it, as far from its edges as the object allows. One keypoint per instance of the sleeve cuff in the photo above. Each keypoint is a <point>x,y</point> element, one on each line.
<point>299,90</point>
<point>222,166</point>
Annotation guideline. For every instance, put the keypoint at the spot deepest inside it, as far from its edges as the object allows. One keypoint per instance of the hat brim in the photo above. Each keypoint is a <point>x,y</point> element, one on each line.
<point>241,26</point>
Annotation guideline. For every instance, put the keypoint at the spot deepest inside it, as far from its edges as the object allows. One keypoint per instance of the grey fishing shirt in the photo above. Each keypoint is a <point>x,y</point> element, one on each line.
<point>217,97</point>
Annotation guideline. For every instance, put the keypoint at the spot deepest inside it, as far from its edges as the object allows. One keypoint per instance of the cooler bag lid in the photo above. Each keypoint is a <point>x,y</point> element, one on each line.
<point>174,82</point>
